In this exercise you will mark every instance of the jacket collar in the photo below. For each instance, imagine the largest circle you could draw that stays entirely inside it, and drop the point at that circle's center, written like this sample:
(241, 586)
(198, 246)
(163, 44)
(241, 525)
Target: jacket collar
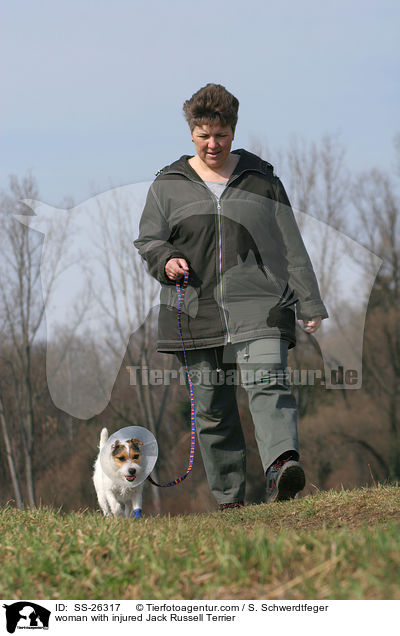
(247, 161)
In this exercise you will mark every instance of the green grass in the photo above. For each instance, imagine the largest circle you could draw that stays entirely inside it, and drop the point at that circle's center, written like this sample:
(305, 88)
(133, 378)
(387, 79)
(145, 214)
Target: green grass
(334, 545)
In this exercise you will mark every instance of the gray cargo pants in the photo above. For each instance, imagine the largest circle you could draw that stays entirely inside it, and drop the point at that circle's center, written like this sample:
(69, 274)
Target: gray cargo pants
(214, 374)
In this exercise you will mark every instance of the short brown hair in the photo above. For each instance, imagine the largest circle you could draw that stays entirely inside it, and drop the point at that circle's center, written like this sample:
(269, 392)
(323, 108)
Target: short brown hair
(211, 103)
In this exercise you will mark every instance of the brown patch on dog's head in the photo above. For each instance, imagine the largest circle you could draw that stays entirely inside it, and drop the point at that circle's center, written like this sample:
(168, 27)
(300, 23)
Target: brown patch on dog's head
(119, 452)
(134, 451)
(115, 446)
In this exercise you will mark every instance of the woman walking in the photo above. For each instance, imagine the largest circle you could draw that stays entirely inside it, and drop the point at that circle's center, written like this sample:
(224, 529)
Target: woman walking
(224, 217)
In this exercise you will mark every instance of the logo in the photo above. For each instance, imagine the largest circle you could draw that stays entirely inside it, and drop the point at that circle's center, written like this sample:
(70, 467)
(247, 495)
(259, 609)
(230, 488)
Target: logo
(105, 294)
(26, 615)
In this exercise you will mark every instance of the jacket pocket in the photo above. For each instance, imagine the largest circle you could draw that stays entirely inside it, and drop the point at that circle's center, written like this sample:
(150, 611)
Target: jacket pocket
(278, 283)
(167, 296)
(190, 303)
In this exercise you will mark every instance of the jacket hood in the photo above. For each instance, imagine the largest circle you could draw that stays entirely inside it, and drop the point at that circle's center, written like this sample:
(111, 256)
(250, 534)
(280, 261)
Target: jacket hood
(247, 161)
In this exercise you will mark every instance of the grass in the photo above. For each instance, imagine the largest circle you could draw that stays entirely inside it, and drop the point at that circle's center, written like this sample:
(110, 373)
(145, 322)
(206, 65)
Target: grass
(334, 545)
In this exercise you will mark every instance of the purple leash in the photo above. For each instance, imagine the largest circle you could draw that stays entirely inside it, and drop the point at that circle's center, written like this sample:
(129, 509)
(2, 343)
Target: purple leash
(180, 290)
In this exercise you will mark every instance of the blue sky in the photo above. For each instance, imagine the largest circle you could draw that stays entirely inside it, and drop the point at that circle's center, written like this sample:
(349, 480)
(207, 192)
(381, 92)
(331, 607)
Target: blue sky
(92, 91)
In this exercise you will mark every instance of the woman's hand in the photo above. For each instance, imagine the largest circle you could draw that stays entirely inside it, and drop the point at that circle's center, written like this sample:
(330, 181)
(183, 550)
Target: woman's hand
(175, 268)
(310, 326)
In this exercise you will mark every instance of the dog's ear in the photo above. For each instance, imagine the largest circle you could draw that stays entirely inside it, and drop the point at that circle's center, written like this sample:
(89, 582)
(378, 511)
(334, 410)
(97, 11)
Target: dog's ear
(136, 441)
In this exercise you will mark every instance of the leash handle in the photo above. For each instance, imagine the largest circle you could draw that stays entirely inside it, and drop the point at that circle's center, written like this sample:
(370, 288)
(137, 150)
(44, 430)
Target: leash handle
(180, 291)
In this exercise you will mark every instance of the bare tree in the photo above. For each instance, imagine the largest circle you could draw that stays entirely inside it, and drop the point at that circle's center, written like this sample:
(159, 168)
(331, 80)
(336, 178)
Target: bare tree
(22, 307)
(378, 209)
(318, 186)
(10, 455)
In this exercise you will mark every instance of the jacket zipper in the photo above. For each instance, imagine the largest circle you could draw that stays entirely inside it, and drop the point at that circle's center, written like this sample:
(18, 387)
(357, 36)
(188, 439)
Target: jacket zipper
(219, 216)
(218, 200)
(228, 335)
(218, 368)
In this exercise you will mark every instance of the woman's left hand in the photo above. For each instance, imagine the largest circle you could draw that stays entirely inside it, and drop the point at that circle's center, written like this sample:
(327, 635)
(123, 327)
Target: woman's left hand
(310, 326)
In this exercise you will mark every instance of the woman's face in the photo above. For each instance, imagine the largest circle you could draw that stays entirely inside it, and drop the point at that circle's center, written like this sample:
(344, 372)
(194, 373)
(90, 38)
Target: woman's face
(213, 143)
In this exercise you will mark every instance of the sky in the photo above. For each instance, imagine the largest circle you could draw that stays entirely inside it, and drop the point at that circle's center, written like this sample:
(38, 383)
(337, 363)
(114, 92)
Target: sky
(92, 92)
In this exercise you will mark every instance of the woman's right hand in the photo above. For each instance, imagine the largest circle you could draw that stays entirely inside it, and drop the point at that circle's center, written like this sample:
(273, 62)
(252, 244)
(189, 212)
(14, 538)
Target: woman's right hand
(175, 268)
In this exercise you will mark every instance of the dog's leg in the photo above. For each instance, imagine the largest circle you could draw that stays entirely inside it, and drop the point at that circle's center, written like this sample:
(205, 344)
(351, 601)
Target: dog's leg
(98, 481)
(136, 502)
(131, 512)
(104, 505)
(116, 508)
(128, 509)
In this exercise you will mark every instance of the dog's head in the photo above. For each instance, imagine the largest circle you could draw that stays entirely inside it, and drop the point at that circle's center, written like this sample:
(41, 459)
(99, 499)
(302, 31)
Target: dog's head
(126, 457)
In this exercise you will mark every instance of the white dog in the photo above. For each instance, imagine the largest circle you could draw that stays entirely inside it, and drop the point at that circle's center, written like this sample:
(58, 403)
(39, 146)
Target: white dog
(120, 496)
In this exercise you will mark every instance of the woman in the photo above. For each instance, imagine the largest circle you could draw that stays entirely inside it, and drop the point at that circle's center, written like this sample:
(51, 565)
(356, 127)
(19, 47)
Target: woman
(224, 217)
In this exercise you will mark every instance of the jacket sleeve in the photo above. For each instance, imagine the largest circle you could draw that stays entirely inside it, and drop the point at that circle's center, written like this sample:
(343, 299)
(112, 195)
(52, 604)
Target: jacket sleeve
(302, 279)
(152, 243)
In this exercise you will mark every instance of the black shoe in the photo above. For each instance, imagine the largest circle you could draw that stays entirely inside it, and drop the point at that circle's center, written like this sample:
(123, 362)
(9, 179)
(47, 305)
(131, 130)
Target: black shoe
(229, 506)
(285, 478)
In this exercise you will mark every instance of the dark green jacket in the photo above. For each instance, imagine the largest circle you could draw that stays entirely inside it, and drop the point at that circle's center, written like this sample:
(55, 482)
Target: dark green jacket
(249, 268)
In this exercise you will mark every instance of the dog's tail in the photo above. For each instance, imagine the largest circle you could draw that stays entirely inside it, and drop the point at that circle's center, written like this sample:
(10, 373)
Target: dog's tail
(103, 438)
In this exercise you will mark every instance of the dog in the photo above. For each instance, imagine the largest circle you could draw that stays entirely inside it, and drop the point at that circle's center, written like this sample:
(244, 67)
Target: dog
(120, 496)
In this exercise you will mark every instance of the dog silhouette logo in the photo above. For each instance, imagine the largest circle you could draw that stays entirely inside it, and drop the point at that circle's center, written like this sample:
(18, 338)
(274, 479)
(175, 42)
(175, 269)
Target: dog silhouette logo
(26, 615)
(105, 293)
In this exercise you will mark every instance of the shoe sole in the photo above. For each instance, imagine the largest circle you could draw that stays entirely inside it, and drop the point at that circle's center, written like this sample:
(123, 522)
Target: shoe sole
(291, 481)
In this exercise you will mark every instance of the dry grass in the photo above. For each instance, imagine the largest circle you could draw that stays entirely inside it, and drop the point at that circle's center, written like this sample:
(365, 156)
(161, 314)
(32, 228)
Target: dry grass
(334, 545)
